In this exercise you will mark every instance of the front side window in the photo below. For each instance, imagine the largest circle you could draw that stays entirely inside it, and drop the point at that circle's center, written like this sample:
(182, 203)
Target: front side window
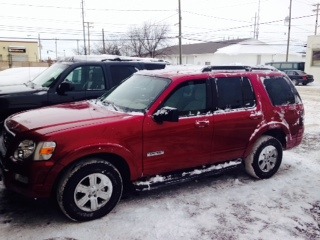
(281, 91)
(86, 78)
(233, 93)
(190, 98)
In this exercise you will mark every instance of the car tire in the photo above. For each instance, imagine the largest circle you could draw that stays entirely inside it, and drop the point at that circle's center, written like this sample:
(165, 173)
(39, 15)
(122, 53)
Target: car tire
(296, 82)
(265, 158)
(304, 84)
(89, 190)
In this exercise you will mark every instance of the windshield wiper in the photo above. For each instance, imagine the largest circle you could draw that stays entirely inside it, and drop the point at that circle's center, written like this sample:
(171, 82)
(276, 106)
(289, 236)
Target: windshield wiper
(110, 103)
(29, 84)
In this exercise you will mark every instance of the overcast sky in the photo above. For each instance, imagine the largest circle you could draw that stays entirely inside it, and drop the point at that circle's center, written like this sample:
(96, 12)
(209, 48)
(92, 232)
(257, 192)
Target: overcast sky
(202, 20)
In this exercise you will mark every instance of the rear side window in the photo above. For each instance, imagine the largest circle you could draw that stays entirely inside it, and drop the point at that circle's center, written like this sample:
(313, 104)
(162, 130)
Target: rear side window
(281, 91)
(153, 66)
(121, 72)
(233, 93)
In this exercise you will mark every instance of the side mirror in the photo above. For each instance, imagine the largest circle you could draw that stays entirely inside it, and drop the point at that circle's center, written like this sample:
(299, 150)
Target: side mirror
(64, 87)
(166, 114)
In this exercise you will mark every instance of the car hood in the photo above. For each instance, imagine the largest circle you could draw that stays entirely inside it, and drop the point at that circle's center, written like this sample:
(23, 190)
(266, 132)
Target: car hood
(63, 116)
(18, 89)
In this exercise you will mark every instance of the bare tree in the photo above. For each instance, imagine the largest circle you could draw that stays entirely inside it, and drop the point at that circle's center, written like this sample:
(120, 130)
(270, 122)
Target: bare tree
(112, 48)
(148, 39)
(79, 51)
(144, 41)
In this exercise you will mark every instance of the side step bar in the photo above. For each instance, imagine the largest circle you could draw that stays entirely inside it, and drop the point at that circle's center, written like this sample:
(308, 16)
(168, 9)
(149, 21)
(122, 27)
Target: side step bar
(167, 180)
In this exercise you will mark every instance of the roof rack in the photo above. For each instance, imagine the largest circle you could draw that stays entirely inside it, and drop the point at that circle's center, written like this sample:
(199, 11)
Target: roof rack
(227, 68)
(107, 57)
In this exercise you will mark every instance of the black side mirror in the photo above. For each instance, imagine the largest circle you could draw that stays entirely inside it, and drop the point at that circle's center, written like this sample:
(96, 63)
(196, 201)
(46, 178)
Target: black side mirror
(168, 114)
(64, 87)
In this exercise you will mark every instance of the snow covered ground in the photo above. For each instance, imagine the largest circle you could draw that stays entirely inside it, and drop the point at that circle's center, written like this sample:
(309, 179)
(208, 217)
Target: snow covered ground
(231, 206)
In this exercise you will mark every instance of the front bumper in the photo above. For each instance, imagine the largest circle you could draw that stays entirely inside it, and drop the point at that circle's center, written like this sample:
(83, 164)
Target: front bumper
(31, 179)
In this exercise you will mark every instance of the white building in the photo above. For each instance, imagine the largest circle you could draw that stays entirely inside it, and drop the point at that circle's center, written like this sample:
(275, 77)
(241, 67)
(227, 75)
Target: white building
(238, 51)
(312, 65)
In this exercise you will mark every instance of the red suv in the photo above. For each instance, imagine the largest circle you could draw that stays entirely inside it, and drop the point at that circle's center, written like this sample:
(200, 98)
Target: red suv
(156, 128)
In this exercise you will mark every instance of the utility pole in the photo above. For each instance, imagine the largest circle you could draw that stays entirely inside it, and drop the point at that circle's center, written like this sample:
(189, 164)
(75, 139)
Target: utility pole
(317, 14)
(88, 26)
(255, 25)
(39, 40)
(103, 43)
(180, 33)
(56, 43)
(84, 30)
(257, 22)
(289, 30)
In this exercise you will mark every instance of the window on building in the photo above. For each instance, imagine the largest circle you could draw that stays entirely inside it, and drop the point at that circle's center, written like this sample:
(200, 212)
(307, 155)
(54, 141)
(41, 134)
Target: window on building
(315, 58)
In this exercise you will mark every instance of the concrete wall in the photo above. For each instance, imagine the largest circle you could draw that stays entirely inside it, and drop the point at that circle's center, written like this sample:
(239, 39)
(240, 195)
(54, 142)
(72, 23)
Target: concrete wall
(312, 65)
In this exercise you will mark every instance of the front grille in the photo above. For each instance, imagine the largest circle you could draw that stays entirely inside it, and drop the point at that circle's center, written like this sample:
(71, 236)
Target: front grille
(7, 137)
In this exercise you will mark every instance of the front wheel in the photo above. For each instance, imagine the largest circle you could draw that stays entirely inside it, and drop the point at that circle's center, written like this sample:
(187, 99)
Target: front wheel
(265, 158)
(89, 190)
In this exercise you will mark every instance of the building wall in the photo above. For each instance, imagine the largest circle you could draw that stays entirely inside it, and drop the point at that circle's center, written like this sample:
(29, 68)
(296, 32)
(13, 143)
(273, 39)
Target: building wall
(224, 59)
(19, 51)
(312, 65)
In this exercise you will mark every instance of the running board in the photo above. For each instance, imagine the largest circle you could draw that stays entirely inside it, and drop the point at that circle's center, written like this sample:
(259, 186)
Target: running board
(166, 180)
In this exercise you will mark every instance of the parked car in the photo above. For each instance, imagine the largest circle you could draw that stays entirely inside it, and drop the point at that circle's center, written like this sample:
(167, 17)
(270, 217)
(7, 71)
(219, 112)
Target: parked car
(74, 79)
(298, 76)
(157, 128)
(19, 75)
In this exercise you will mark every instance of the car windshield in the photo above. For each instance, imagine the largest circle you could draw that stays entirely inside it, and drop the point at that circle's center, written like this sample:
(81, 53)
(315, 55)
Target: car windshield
(47, 77)
(136, 94)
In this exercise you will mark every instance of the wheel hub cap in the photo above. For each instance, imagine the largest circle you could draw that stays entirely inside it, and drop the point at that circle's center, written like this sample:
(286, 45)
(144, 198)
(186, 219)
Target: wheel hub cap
(268, 158)
(93, 192)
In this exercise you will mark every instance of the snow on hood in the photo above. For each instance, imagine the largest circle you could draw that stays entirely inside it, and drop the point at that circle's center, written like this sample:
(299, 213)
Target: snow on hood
(62, 116)
(13, 76)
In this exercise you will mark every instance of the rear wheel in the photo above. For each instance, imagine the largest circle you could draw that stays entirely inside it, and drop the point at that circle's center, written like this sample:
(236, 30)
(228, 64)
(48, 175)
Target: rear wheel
(89, 190)
(265, 158)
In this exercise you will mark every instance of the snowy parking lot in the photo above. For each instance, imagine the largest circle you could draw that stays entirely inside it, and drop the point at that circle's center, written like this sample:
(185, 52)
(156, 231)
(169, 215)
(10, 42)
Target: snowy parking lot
(231, 206)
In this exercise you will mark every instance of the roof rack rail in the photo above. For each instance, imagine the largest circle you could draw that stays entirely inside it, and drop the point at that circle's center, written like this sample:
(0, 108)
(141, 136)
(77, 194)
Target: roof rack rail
(107, 57)
(227, 68)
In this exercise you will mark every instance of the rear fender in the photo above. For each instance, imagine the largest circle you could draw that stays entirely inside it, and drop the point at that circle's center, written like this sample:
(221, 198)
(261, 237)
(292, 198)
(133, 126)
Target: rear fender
(275, 129)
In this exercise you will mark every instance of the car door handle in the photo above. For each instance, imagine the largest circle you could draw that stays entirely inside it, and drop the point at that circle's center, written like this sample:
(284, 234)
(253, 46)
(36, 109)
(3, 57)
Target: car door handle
(202, 124)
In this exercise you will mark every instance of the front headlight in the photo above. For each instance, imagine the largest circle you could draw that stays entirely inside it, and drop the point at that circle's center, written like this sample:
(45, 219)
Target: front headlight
(25, 149)
(44, 151)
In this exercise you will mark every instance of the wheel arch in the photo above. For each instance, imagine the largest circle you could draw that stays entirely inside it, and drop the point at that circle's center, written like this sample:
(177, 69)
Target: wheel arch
(278, 133)
(117, 161)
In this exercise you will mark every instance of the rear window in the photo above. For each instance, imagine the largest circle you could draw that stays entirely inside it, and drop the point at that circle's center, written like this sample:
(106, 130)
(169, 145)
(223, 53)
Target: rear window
(281, 91)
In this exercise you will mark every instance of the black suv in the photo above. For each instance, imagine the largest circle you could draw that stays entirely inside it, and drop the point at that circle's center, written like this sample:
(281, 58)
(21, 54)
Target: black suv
(73, 79)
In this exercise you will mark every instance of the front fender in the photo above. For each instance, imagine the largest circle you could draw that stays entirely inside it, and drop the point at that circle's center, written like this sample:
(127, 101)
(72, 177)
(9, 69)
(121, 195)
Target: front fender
(104, 148)
(62, 162)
